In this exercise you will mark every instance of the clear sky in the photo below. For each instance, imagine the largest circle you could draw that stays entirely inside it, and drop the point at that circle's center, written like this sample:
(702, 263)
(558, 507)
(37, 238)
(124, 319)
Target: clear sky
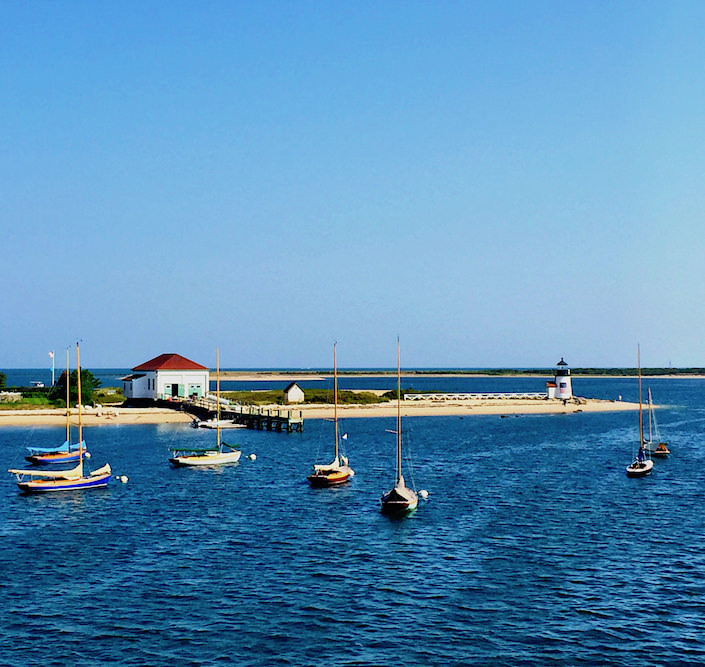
(498, 183)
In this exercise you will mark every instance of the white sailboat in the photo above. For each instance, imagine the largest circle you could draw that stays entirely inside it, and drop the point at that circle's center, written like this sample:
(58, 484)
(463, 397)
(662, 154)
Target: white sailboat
(208, 456)
(400, 499)
(642, 465)
(42, 480)
(337, 472)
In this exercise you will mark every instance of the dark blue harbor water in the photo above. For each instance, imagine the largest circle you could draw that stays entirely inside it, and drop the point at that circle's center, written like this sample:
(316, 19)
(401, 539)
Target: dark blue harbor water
(533, 548)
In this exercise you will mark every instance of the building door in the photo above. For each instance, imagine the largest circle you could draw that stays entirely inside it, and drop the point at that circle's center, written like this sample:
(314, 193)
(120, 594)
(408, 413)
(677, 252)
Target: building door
(174, 389)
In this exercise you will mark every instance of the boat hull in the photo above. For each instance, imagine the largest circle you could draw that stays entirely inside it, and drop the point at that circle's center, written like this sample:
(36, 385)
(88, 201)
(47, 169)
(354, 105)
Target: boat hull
(398, 506)
(322, 480)
(51, 485)
(640, 469)
(207, 459)
(224, 424)
(395, 503)
(58, 457)
(661, 450)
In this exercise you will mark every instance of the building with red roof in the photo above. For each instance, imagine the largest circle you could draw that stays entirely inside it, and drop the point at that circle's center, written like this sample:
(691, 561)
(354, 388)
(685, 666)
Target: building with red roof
(167, 376)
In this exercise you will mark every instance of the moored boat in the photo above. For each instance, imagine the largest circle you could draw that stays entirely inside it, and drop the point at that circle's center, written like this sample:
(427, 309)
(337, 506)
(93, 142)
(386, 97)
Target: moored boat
(219, 423)
(338, 472)
(207, 456)
(43, 480)
(65, 453)
(400, 499)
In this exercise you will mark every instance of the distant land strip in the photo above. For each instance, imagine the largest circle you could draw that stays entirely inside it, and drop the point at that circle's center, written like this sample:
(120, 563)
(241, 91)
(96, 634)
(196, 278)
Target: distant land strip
(318, 374)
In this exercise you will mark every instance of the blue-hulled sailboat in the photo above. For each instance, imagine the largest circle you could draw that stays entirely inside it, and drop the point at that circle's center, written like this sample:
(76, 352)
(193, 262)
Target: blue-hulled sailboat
(43, 480)
(65, 453)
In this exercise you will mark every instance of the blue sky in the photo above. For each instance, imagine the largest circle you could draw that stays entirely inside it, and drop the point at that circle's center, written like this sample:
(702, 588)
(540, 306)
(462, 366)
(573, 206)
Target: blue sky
(500, 184)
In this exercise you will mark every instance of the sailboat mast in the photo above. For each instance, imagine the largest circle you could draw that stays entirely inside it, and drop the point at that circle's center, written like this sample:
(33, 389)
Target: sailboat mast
(80, 426)
(651, 437)
(68, 427)
(398, 411)
(335, 398)
(641, 418)
(217, 394)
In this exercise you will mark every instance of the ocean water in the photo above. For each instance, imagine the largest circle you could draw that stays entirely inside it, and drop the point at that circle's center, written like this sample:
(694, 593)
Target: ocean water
(533, 547)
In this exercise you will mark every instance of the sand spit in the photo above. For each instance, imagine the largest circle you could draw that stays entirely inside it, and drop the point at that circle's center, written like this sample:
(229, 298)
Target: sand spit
(462, 408)
(120, 415)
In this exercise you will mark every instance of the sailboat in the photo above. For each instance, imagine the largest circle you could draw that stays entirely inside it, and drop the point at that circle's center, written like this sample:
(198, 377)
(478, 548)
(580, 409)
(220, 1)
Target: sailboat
(65, 453)
(399, 499)
(208, 456)
(656, 447)
(337, 472)
(45, 480)
(642, 465)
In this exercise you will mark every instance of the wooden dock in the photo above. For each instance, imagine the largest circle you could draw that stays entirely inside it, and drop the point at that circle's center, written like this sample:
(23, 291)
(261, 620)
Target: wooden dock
(251, 416)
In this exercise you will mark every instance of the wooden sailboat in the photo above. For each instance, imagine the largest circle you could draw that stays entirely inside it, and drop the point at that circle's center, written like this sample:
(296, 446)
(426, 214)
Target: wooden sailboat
(45, 480)
(208, 456)
(642, 465)
(655, 445)
(65, 453)
(399, 499)
(337, 472)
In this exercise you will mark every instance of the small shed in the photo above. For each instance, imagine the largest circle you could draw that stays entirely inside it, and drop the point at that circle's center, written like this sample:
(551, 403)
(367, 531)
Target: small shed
(294, 394)
(550, 389)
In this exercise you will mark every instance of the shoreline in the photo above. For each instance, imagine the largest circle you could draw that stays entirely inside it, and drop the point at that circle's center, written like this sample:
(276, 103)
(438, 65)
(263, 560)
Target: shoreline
(499, 407)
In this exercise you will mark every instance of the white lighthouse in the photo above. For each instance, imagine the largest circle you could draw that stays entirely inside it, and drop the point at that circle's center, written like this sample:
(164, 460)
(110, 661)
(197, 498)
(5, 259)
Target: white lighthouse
(564, 387)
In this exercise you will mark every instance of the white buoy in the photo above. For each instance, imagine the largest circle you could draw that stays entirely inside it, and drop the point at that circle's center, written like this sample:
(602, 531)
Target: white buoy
(87, 455)
(252, 457)
(123, 478)
(423, 493)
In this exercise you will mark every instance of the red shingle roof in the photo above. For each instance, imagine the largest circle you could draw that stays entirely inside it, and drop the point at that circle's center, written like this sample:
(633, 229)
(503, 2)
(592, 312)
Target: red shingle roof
(170, 362)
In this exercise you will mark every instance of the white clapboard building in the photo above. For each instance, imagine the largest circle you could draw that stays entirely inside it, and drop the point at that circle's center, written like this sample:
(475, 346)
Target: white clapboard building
(294, 394)
(166, 376)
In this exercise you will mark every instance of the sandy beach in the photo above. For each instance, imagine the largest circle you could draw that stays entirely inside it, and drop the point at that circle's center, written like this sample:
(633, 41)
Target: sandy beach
(120, 415)
(462, 408)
